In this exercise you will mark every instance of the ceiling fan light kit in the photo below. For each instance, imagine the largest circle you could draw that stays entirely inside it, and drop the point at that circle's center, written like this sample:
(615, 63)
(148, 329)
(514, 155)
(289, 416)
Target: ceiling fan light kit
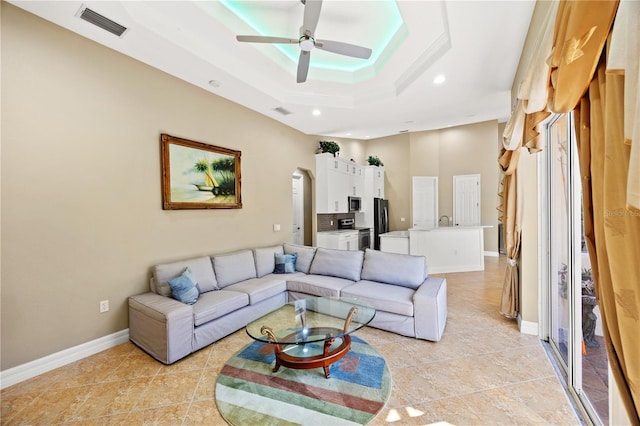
(307, 40)
(306, 43)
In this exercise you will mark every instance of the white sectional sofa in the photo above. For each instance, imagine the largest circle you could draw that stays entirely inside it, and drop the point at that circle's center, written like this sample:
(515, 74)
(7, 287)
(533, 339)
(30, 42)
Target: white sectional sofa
(236, 288)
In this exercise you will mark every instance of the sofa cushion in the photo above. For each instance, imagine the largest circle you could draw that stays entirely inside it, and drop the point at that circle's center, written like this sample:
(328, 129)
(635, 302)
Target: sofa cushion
(184, 289)
(337, 263)
(285, 263)
(305, 256)
(232, 268)
(201, 271)
(317, 285)
(215, 304)
(264, 258)
(260, 289)
(383, 297)
(391, 268)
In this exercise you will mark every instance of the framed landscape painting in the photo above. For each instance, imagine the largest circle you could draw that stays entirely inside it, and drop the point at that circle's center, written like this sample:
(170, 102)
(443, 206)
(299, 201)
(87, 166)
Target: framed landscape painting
(197, 175)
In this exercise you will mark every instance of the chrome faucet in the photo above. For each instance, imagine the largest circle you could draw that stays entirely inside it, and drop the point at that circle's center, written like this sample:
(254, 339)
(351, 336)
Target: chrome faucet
(446, 217)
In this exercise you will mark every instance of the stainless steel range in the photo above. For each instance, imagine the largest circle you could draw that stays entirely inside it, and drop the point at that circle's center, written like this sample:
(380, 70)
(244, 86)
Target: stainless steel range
(364, 239)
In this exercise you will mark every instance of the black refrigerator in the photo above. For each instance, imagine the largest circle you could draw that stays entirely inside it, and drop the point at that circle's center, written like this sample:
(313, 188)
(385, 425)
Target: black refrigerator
(380, 220)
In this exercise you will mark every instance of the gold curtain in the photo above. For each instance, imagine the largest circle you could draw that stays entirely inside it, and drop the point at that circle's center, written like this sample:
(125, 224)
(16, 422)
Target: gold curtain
(523, 132)
(511, 215)
(612, 232)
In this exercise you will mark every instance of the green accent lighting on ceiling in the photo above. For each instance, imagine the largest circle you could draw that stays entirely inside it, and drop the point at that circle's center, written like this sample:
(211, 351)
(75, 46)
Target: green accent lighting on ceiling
(389, 15)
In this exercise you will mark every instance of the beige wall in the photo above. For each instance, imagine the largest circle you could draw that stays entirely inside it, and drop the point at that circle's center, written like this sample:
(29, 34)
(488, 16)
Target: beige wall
(82, 216)
(425, 154)
(529, 305)
(444, 153)
(471, 149)
(394, 153)
(350, 149)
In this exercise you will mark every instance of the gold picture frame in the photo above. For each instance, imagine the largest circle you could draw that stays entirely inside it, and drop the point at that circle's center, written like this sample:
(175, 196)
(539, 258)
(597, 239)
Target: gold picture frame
(197, 175)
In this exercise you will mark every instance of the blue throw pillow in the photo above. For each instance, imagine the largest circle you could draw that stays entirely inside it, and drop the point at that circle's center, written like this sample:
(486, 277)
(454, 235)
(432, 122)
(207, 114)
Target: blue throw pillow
(184, 289)
(285, 263)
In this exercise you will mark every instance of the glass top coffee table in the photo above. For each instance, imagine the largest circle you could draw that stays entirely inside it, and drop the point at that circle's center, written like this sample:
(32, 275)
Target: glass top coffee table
(312, 333)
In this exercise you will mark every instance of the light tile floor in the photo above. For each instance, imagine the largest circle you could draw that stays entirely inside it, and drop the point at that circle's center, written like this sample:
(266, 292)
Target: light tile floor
(483, 371)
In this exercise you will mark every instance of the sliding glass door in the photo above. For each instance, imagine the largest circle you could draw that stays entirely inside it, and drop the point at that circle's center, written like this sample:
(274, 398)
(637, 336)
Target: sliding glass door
(575, 326)
(559, 243)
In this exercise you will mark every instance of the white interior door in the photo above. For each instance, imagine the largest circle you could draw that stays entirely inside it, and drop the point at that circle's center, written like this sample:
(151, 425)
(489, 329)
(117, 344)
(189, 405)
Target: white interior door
(298, 209)
(466, 200)
(425, 202)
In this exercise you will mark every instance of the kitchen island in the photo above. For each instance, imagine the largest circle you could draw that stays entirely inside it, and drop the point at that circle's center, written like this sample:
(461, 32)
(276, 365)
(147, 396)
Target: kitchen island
(395, 242)
(450, 248)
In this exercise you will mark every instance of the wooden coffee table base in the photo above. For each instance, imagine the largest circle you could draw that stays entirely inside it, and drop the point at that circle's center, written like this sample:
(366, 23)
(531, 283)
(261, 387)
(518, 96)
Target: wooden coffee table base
(328, 356)
(325, 360)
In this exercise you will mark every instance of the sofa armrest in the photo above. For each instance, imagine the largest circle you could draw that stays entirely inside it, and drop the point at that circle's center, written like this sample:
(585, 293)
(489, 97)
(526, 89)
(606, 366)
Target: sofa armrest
(430, 309)
(161, 326)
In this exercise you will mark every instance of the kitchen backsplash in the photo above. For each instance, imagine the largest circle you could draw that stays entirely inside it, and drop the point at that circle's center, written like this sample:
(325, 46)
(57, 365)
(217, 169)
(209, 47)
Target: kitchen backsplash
(324, 220)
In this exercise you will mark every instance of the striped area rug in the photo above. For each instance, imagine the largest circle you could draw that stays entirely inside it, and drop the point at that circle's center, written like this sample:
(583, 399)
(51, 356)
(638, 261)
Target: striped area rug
(248, 393)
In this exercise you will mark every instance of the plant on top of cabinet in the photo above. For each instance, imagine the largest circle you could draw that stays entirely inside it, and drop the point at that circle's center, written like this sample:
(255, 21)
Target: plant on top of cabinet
(374, 161)
(329, 146)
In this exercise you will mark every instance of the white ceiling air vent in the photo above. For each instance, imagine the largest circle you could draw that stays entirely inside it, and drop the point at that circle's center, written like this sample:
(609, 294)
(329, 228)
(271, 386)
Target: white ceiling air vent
(282, 111)
(101, 21)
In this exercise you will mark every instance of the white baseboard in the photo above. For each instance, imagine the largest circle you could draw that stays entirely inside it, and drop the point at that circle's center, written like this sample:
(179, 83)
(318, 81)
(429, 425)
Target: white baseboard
(491, 254)
(50, 362)
(527, 327)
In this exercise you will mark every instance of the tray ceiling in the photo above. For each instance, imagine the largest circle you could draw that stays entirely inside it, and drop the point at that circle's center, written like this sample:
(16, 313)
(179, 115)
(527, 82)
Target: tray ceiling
(475, 45)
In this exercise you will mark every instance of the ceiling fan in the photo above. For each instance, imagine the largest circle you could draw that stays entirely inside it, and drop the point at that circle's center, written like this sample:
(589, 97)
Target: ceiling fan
(307, 41)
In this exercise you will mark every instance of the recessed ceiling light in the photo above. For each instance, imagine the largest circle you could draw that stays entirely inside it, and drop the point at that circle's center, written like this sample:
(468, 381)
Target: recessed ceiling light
(214, 83)
(439, 79)
(348, 134)
(316, 112)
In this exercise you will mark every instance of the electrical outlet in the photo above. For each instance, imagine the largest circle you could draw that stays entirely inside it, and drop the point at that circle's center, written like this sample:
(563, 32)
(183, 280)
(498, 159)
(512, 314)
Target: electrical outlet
(331, 223)
(104, 306)
(276, 227)
(402, 219)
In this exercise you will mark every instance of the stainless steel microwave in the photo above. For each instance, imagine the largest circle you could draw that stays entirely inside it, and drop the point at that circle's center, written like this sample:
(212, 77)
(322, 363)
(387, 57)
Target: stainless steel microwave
(354, 204)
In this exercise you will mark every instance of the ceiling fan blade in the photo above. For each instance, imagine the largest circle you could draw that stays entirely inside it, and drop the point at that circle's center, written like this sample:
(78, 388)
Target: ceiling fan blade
(344, 48)
(265, 39)
(311, 16)
(303, 65)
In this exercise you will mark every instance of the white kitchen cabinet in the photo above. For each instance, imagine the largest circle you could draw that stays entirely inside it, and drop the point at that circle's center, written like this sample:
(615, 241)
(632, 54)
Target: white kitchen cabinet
(378, 182)
(425, 202)
(340, 240)
(373, 182)
(373, 188)
(356, 181)
(336, 181)
(350, 242)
